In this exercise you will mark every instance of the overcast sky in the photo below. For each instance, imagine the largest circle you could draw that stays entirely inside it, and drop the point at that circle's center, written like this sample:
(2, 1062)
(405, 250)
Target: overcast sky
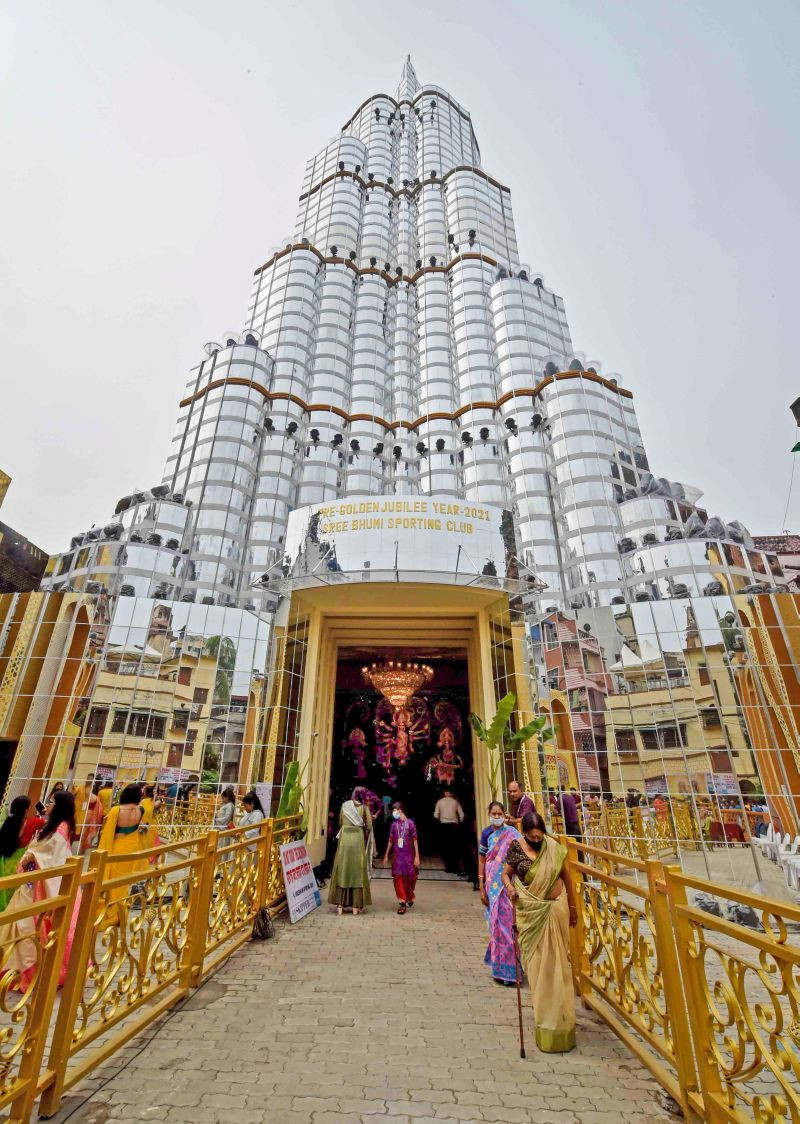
(151, 154)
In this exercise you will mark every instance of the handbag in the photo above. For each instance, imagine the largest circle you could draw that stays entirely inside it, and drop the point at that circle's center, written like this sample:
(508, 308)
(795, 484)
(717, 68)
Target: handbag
(263, 927)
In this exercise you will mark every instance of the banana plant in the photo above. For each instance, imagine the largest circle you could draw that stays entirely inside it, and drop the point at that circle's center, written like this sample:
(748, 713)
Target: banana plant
(499, 736)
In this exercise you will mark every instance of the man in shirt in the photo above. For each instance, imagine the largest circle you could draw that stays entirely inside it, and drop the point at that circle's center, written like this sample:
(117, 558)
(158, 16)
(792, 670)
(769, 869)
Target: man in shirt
(519, 804)
(569, 812)
(449, 815)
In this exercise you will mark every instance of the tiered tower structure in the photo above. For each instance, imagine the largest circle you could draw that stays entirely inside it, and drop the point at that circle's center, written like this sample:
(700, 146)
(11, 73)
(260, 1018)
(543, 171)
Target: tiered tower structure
(397, 345)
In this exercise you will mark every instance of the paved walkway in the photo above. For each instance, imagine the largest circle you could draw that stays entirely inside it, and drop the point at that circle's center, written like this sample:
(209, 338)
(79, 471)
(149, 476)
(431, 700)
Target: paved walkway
(353, 1018)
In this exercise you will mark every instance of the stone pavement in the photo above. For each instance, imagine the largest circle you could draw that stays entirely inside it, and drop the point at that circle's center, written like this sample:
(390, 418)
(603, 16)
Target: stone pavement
(348, 1018)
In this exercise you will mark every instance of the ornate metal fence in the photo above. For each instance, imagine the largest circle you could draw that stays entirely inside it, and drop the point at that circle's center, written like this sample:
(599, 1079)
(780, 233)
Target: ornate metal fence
(149, 927)
(710, 1006)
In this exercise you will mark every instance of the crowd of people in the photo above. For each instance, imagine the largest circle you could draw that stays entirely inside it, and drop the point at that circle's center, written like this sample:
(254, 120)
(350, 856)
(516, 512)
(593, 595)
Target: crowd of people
(523, 881)
(45, 836)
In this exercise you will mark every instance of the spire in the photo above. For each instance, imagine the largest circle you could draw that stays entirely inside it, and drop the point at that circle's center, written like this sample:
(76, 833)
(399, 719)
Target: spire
(409, 83)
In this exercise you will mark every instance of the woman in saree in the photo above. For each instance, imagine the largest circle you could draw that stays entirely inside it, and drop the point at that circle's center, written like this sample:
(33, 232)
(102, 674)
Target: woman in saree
(538, 884)
(124, 834)
(50, 849)
(349, 887)
(12, 847)
(92, 820)
(492, 849)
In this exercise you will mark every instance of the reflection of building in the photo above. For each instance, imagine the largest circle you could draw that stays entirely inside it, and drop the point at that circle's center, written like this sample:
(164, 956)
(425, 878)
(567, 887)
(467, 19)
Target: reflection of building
(578, 683)
(46, 668)
(674, 723)
(767, 675)
(786, 549)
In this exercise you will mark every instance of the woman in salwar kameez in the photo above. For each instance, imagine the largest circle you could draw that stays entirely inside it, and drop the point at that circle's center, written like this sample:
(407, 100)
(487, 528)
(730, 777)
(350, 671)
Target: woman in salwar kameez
(349, 886)
(492, 849)
(545, 907)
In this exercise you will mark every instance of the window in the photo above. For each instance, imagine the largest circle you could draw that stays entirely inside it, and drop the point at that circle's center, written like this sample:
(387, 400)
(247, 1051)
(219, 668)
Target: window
(705, 676)
(664, 737)
(139, 724)
(550, 635)
(175, 756)
(180, 718)
(199, 699)
(96, 722)
(185, 676)
(626, 741)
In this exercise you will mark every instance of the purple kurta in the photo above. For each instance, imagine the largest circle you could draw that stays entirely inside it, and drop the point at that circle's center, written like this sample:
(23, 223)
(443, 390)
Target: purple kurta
(402, 857)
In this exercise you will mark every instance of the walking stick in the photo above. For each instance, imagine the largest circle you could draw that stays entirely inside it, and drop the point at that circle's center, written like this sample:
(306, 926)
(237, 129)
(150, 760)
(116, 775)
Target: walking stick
(518, 973)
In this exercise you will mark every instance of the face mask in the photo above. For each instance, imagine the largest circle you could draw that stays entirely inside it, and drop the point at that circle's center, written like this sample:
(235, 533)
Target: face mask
(496, 821)
(396, 815)
(534, 844)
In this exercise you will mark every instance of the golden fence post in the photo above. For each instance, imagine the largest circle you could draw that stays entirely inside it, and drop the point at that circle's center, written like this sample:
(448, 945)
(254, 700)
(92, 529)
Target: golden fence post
(199, 909)
(21, 1108)
(675, 1002)
(60, 1048)
(696, 1001)
(265, 859)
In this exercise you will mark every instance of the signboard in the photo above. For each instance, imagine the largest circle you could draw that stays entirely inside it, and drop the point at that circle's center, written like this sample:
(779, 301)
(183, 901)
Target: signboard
(302, 892)
(174, 776)
(374, 534)
(264, 793)
(722, 784)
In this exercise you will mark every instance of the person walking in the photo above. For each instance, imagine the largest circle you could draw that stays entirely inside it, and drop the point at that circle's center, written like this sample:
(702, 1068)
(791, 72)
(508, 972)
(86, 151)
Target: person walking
(492, 850)
(349, 885)
(123, 833)
(12, 847)
(449, 815)
(404, 847)
(537, 882)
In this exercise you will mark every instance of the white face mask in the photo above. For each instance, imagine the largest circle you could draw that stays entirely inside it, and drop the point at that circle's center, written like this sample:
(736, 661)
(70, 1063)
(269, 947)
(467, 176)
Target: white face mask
(396, 815)
(497, 821)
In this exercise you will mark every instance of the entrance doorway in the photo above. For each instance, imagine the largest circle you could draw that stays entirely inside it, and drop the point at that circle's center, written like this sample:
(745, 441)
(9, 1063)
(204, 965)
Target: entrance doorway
(364, 751)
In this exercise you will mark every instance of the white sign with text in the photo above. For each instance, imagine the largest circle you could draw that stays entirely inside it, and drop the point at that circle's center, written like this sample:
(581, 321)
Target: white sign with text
(302, 892)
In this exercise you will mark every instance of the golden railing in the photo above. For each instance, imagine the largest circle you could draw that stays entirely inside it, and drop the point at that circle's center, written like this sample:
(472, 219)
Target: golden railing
(25, 1016)
(149, 927)
(709, 1006)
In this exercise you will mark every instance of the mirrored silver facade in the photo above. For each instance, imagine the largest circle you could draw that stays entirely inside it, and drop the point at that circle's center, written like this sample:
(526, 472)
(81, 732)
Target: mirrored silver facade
(396, 345)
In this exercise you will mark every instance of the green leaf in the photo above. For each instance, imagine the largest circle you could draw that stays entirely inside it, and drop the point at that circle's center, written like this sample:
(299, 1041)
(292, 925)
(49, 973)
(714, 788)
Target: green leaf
(505, 708)
(478, 727)
(527, 732)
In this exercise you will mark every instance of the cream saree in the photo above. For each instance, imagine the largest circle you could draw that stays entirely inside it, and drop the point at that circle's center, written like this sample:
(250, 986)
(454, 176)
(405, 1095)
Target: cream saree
(543, 927)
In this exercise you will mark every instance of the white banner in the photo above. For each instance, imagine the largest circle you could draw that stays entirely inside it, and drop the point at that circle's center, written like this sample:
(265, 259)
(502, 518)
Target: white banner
(302, 892)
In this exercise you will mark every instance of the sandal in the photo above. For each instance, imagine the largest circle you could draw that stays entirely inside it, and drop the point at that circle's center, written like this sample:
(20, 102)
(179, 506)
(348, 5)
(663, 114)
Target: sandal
(402, 907)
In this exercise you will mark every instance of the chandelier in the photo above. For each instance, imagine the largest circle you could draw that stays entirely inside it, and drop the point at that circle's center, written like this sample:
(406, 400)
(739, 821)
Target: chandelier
(397, 680)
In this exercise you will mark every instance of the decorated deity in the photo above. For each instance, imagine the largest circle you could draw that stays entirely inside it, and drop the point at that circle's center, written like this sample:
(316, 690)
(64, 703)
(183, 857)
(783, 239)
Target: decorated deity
(356, 742)
(399, 732)
(447, 763)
